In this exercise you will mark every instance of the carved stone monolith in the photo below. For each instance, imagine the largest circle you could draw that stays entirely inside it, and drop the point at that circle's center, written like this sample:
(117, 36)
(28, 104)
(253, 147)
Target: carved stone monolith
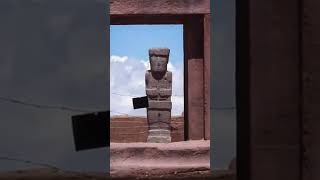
(159, 90)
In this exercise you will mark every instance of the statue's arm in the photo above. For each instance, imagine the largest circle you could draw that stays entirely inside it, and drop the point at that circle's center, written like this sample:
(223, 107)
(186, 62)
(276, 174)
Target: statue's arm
(167, 92)
(152, 92)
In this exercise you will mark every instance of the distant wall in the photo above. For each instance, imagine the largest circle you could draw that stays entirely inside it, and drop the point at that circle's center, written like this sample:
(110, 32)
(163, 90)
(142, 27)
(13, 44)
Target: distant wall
(135, 129)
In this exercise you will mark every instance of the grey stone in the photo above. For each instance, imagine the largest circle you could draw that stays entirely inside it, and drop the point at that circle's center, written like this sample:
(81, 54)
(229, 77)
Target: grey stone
(159, 136)
(159, 90)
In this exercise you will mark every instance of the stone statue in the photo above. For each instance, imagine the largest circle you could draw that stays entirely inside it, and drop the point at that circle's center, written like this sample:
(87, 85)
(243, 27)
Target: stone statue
(159, 90)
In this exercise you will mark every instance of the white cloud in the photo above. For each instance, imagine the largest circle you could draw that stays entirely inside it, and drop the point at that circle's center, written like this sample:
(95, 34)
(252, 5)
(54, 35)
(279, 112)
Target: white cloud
(119, 59)
(127, 78)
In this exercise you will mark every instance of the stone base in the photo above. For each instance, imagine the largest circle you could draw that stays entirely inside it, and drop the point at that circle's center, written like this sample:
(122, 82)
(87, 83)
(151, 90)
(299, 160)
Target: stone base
(157, 160)
(159, 136)
(159, 139)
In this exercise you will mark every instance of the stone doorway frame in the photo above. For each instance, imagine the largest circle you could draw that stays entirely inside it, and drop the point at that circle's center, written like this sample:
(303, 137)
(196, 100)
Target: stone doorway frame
(195, 16)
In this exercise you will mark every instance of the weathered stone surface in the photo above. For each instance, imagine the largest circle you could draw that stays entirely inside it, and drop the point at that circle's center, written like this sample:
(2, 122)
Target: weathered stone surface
(141, 7)
(156, 159)
(274, 90)
(159, 89)
(128, 129)
(159, 136)
(160, 105)
(194, 80)
(121, 174)
(310, 76)
(159, 52)
(159, 119)
(207, 76)
(196, 27)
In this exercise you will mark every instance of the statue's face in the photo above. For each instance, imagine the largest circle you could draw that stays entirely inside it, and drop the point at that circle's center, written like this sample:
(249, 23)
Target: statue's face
(158, 63)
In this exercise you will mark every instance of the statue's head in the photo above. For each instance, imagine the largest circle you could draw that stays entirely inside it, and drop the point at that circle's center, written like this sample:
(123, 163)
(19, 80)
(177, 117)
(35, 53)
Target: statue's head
(159, 58)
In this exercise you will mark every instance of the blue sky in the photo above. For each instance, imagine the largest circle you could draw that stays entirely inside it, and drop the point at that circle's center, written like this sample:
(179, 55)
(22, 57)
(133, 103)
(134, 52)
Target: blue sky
(129, 61)
(135, 40)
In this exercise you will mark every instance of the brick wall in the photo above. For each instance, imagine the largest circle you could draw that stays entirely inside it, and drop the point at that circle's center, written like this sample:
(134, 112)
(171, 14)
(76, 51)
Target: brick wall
(135, 129)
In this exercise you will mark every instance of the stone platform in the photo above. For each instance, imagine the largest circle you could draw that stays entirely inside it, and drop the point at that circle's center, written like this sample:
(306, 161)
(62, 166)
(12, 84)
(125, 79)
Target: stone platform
(51, 174)
(159, 159)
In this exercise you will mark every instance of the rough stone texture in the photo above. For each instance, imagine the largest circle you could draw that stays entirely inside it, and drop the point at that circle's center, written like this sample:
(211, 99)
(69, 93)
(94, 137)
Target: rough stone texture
(274, 90)
(153, 158)
(159, 136)
(160, 104)
(196, 99)
(285, 83)
(159, 52)
(159, 90)
(124, 7)
(207, 76)
(193, 15)
(49, 174)
(126, 129)
(194, 84)
(311, 89)
(150, 19)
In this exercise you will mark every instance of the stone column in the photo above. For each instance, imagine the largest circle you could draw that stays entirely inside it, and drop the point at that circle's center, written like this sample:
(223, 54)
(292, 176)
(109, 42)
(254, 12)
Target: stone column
(274, 90)
(159, 90)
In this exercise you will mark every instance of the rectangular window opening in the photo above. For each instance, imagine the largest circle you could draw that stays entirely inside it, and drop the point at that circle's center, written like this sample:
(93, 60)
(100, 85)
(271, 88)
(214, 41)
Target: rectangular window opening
(129, 62)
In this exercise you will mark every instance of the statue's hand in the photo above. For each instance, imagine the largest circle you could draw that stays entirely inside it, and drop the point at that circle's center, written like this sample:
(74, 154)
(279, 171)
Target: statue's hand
(152, 92)
(165, 92)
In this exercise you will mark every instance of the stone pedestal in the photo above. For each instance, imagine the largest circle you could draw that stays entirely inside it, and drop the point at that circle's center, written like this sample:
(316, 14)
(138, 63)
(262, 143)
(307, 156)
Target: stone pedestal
(159, 159)
(159, 136)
